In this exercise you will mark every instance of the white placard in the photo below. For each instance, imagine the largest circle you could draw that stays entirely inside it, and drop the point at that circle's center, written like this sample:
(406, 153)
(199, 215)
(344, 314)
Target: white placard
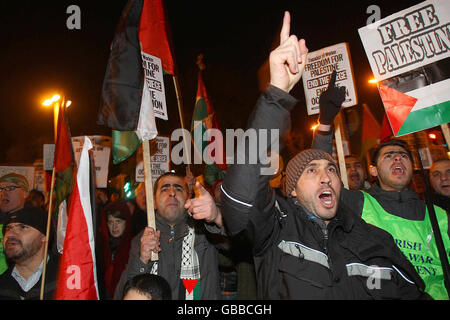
(408, 39)
(153, 72)
(316, 75)
(49, 154)
(27, 172)
(160, 160)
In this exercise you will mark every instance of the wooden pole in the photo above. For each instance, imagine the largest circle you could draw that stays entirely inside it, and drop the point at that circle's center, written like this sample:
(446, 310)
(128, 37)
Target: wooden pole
(446, 133)
(340, 150)
(49, 216)
(180, 112)
(47, 234)
(149, 191)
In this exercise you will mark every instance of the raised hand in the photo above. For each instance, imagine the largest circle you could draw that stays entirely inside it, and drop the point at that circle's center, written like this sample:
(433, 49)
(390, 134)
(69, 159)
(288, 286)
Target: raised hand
(330, 101)
(203, 206)
(287, 61)
(149, 243)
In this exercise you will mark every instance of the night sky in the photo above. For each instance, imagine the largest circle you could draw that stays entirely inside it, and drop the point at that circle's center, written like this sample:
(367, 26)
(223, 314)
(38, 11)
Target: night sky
(40, 55)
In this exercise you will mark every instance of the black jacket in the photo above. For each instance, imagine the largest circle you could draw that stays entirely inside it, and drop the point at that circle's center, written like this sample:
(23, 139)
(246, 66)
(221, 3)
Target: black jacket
(10, 289)
(293, 258)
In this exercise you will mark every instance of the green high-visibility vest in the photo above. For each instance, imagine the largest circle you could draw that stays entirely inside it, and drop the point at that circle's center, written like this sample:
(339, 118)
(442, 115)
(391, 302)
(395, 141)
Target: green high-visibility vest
(3, 264)
(415, 239)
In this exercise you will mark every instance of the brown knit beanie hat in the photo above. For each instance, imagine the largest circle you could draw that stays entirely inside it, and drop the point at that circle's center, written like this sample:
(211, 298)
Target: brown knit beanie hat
(297, 164)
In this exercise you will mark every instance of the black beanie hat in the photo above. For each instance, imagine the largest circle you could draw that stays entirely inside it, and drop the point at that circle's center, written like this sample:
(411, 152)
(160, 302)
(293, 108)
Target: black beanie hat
(30, 216)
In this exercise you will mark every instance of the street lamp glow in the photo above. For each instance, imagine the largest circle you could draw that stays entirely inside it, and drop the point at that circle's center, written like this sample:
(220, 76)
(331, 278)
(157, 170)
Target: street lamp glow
(373, 81)
(68, 103)
(49, 102)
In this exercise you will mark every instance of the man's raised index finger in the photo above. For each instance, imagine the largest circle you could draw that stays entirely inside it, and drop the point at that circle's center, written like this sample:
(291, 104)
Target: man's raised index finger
(286, 28)
(332, 82)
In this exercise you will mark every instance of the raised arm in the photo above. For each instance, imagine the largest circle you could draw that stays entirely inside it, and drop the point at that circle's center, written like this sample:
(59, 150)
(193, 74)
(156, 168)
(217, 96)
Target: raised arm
(330, 102)
(246, 196)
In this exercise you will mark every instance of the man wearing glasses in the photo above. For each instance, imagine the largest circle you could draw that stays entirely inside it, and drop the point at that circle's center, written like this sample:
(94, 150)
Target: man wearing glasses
(14, 190)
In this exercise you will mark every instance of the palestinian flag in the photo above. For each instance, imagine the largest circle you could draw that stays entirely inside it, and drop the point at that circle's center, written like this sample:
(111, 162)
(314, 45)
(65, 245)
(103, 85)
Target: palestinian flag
(210, 147)
(370, 135)
(77, 274)
(63, 161)
(415, 102)
(126, 103)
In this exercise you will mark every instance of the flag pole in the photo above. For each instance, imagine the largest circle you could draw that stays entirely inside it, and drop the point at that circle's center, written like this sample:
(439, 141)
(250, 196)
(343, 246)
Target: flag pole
(149, 191)
(340, 150)
(180, 112)
(446, 133)
(49, 215)
(47, 234)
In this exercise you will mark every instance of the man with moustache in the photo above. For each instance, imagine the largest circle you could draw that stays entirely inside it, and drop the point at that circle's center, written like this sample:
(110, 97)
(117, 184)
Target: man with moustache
(356, 175)
(180, 239)
(390, 204)
(440, 182)
(309, 245)
(14, 190)
(24, 243)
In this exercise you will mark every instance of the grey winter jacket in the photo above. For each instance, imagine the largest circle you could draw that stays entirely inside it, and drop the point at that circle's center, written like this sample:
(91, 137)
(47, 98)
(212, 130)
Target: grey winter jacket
(169, 262)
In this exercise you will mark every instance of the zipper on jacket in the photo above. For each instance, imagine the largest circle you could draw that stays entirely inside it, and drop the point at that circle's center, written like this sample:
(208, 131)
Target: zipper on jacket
(171, 235)
(333, 276)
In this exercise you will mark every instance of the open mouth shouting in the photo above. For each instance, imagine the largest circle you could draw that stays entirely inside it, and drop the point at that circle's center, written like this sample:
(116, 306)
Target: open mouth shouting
(355, 176)
(327, 198)
(398, 170)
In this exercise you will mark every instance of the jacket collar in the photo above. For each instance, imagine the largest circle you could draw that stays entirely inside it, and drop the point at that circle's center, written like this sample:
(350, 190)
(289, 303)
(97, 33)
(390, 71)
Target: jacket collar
(343, 217)
(181, 228)
(404, 195)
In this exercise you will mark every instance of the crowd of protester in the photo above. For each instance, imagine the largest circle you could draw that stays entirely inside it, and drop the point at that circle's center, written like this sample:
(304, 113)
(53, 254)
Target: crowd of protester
(299, 234)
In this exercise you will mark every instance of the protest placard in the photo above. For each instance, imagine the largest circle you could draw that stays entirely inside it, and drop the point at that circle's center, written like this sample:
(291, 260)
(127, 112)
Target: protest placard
(409, 54)
(316, 75)
(26, 171)
(153, 73)
(160, 159)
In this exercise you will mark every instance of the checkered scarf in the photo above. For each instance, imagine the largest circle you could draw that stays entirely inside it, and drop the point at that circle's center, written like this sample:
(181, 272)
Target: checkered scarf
(190, 267)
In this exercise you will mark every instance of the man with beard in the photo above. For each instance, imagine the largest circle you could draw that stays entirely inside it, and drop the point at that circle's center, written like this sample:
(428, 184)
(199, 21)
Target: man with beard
(14, 190)
(24, 243)
(356, 175)
(186, 257)
(309, 245)
(390, 204)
